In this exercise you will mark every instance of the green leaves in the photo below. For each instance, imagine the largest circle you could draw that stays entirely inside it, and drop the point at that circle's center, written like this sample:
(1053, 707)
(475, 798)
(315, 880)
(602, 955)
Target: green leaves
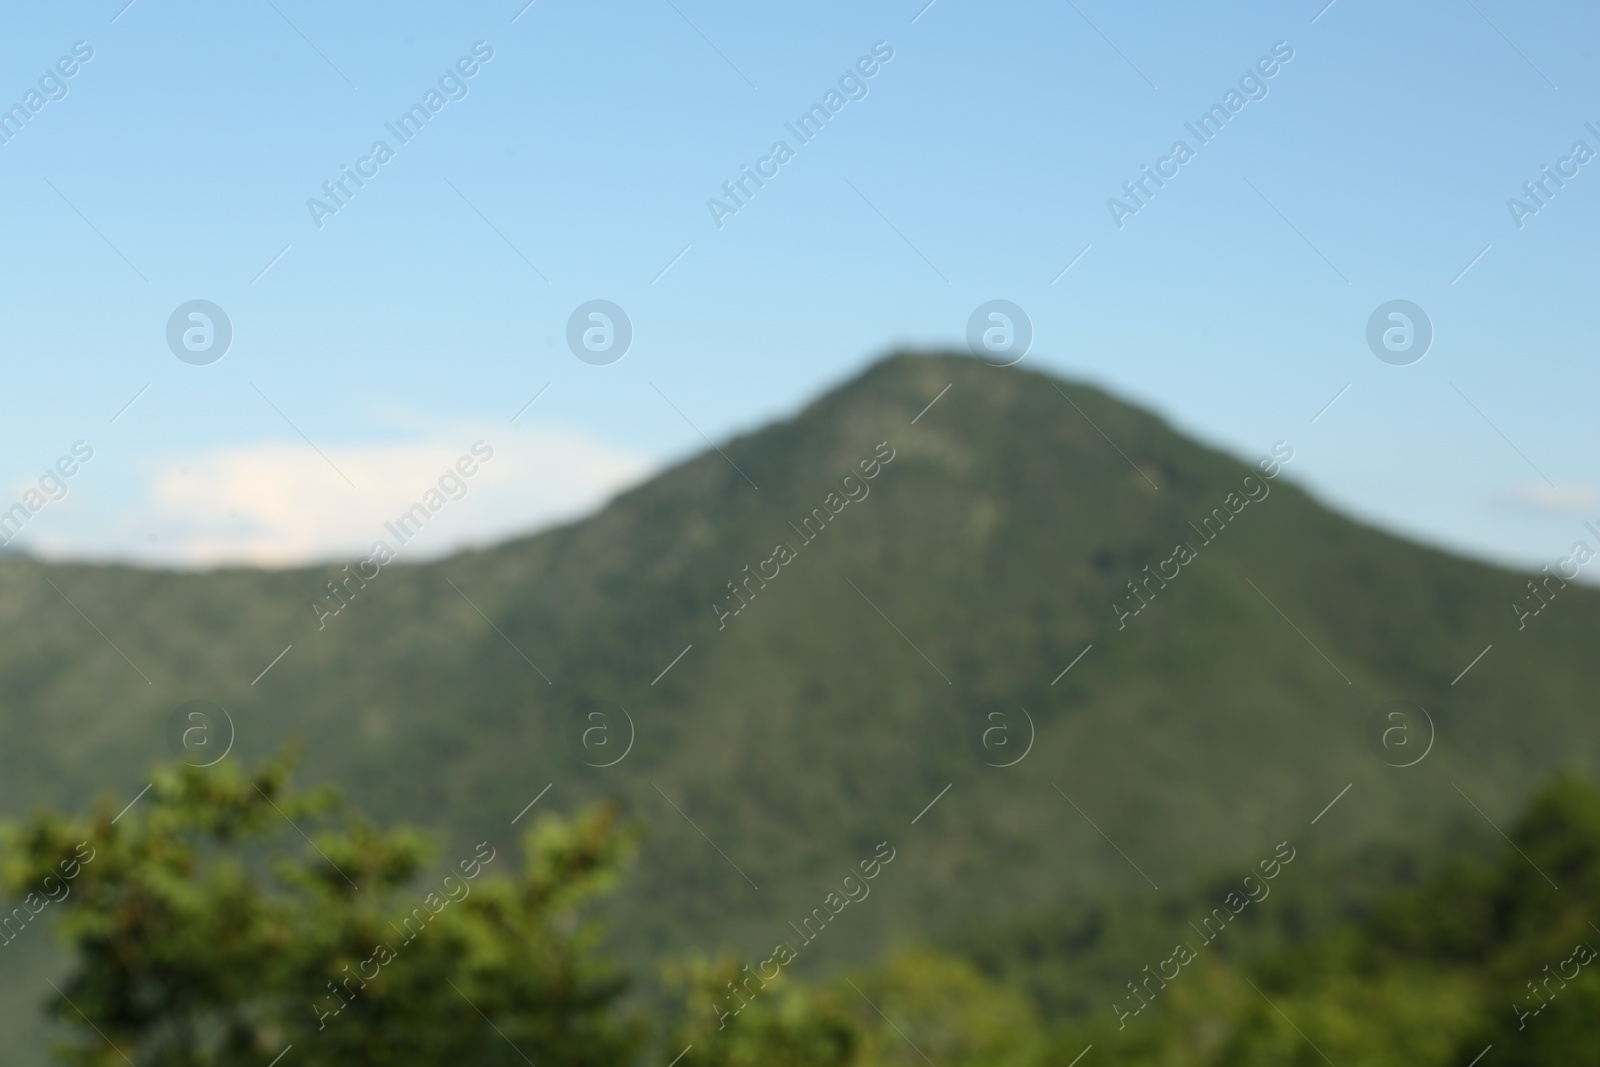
(226, 916)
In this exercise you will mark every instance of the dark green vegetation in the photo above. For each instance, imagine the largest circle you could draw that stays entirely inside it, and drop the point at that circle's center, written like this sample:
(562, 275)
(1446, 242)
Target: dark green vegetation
(1498, 954)
(809, 730)
(205, 934)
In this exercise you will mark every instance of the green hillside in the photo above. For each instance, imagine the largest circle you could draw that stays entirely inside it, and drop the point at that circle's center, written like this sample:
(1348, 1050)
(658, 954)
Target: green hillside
(999, 530)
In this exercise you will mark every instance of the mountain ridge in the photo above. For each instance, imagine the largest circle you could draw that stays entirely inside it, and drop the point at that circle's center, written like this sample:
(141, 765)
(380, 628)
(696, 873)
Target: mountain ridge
(856, 691)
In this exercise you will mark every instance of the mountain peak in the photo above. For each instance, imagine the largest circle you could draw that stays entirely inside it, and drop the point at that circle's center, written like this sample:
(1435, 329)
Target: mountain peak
(938, 549)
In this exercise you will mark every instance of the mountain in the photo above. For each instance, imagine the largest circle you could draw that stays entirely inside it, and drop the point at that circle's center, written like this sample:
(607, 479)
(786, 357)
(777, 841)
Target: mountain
(930, 548)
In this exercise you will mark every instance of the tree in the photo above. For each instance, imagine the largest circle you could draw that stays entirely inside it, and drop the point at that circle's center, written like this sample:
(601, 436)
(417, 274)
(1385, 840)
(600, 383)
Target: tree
(206, 932)
(921, 1006)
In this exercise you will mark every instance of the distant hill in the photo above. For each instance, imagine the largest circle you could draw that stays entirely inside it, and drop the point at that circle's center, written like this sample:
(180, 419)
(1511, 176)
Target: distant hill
(993, 544)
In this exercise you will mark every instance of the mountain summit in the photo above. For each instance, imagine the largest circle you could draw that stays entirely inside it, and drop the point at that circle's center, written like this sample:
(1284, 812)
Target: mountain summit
(1022, 633)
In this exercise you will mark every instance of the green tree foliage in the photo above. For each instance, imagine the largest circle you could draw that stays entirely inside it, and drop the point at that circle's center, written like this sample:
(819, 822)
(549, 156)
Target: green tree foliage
(1480, 956)
(785, 1023)
(208, 932)
(921, 1006)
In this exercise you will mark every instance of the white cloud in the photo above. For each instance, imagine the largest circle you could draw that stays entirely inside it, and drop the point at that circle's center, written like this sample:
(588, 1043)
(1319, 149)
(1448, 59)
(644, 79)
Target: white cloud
(280, 503)
(1556, 500)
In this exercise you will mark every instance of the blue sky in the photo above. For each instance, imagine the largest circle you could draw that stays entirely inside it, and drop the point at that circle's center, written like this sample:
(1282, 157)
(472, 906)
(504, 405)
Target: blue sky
(433, 305)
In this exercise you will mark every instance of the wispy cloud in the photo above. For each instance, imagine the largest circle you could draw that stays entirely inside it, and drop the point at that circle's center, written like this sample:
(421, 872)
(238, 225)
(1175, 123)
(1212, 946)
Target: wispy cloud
(1583, 500)
(276, 503)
